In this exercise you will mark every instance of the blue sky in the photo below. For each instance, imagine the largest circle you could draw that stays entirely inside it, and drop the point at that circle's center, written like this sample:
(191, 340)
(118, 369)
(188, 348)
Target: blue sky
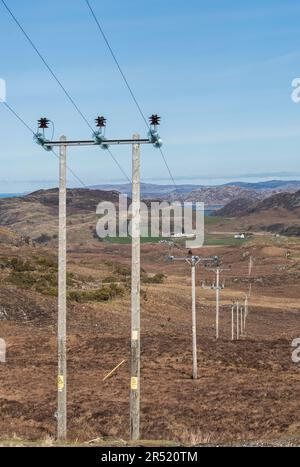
(218, 72)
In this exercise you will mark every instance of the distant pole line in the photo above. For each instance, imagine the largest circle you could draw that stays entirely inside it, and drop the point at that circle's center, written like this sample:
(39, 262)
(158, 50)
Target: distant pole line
(242, 321)
(237, 321)
(217, 287)
(232, 322)
(193, 261)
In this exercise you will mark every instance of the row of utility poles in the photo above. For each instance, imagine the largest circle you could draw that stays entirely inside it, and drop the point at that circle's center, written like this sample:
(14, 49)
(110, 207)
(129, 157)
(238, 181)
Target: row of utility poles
(238, 311)
(217, 287)
(193, 261)
(136, 142)
(98, 139)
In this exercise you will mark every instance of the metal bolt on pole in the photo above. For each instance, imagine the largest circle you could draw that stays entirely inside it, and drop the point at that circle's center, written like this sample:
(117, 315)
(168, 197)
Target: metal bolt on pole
(62, 308)
(135, 296)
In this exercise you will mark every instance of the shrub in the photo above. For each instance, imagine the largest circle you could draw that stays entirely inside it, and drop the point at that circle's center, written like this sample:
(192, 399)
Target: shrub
(75, 295)
(104, 294)
(16, 264)
(44, 238)
(144, 295)
(156, 279)
(47, 262)
(122, 270)
(24, 280)
(118, 268)
(110, 279)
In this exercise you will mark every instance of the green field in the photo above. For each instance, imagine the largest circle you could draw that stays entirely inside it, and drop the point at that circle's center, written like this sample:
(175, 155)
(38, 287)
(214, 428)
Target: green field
(213, 220)
(127, 240)
(211, 240)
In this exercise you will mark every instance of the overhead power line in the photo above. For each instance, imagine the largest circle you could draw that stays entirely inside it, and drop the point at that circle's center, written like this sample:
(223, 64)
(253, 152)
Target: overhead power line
(18, 117)
(116, 62)
(119, 165)
(32, 132)
(128, 87)
(46, 63)
(67, 94)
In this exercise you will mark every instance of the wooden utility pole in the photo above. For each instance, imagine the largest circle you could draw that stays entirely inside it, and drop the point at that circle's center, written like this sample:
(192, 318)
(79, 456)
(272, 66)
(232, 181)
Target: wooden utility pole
(62, 305)
(237, 321)
(217, 288)
(232, 322)
(194, 324)
(245, 313)
(242, 320)
(193, 262)
(217, 301)
(135, 296)
(99, 140)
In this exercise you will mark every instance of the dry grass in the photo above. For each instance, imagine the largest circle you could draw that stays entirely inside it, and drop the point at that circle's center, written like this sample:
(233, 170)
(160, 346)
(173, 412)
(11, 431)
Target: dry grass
(192, 437)
(256, 373)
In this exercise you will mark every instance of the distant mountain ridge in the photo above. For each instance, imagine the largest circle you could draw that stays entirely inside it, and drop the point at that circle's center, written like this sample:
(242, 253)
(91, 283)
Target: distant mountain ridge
(278, 213)
(151, 190)
(35, 215)
(245, 206)
(268, 185)
(222, 195)
(148, 190)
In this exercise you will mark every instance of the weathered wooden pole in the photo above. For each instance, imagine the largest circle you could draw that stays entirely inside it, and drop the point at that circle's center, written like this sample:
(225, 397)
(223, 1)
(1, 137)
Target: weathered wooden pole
(135, 296)
(62, 298)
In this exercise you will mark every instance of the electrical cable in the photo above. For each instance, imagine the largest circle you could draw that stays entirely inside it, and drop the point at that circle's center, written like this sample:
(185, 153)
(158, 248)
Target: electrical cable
(67, 94)
(129, 87)
(33, 133)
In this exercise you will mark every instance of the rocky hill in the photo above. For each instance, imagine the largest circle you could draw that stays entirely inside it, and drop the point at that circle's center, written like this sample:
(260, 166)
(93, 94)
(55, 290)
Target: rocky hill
(209, 194)
(78, 199)
(149, 190)
(35, 216)
(9, 237)
(236, 207)
(277, 185)
(222, 195)
(278, 213)
(288, 201)
(245, 205)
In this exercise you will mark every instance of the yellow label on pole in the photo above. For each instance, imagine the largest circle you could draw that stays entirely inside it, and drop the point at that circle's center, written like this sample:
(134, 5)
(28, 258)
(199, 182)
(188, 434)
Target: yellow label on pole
(134, 335)
(134, 383)
(60, 382)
